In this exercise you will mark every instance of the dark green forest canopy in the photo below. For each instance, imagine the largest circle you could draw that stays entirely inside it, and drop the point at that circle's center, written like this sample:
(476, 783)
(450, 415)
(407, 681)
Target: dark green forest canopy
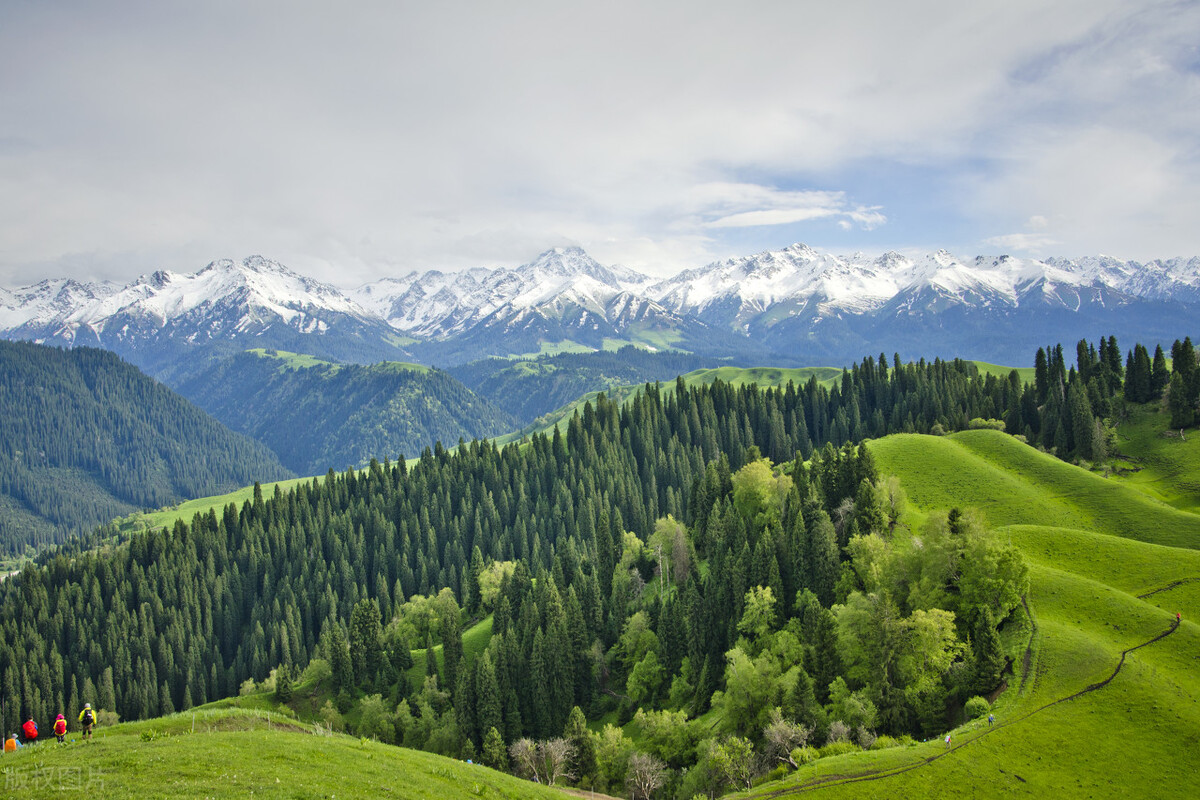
(86, 437)
(182, 616)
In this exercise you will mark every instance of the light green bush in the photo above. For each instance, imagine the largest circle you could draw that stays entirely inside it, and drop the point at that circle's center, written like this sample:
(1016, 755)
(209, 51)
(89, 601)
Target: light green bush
(977, 707)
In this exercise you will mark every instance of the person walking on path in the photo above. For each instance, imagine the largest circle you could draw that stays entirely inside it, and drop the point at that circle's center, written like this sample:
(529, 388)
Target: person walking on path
(60, 729)
(87, 718)
(991, 720)
(31, 731)
(947, 741)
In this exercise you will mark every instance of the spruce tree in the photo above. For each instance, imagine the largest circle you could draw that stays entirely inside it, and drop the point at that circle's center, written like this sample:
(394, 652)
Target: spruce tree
(495, 754)
(339, 660)
(989, 655)
(488, 708)
(366, 648)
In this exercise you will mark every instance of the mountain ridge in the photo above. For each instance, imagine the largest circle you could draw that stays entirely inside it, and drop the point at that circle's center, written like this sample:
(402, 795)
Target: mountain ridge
(797, 303)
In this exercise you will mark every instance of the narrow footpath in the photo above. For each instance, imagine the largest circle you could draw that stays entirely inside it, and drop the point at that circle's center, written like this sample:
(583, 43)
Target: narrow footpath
(875, 775)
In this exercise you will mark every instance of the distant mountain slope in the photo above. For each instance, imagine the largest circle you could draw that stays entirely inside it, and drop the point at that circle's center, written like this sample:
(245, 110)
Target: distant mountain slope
(528, 389)
(86, 437)
(316, 415)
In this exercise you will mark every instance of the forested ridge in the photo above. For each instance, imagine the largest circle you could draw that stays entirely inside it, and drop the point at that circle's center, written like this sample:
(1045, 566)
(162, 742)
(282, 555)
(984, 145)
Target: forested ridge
(706, 548)
(86, 437)
(530, 388)
(320, 415)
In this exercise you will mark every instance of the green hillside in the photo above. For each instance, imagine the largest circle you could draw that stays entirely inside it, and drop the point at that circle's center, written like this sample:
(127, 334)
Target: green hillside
(245, 753)
(530, 388)
(316, 415)
(1109, 569)
(86, 437)
(1157, 461)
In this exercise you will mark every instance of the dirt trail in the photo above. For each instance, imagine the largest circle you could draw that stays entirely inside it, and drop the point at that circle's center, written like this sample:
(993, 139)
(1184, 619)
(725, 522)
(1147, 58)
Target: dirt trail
(1168, 587)
(874, 775)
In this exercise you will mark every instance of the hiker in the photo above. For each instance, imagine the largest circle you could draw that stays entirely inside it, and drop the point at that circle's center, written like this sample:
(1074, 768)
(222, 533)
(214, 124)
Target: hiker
(1178, 619)
(31, 731)
(60, 729)
(10, 745)
(991, 720)
(87, 718)
(947, 741)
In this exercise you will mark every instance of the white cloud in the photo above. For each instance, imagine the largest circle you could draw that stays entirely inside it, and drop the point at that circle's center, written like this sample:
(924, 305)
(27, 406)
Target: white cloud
(1021, 242)
(766, 206)
(387, 137)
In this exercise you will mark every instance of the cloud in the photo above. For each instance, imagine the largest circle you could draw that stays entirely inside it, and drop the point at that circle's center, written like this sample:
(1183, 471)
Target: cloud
(769, 206)
(395, 136)
(1022, 242)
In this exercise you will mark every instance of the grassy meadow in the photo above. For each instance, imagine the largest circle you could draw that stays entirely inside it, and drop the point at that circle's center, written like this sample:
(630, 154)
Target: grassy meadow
(240, 752)
(1109, 567)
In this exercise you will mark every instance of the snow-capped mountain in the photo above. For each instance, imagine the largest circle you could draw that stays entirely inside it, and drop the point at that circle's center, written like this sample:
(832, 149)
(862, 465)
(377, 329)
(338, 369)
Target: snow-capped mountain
(165, 317)
(796, 305)
(48, 300)
(438, 304)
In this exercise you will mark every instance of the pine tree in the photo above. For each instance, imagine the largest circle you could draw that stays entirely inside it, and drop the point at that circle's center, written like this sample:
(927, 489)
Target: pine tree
(495, 754)
(488, 710)
(366, 649)
(339, 660)
(989, 655)
(452, 645)
(584, 752)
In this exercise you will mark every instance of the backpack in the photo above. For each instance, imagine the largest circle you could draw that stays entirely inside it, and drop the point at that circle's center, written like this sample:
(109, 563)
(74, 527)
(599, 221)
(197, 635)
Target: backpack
(88, 719)
(60, 727)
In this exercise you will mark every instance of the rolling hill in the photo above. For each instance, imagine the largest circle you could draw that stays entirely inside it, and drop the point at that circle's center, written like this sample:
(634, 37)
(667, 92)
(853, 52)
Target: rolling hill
(1106, 701)
(230, 752)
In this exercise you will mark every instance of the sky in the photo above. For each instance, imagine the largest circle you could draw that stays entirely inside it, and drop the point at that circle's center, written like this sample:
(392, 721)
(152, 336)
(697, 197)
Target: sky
(360, 140)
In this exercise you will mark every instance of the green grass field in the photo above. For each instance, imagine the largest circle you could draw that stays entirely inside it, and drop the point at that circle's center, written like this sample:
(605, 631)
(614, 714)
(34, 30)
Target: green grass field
(232, 752)
(1109, 567)
(1164, 467)
(1000, 371)
(166, 517)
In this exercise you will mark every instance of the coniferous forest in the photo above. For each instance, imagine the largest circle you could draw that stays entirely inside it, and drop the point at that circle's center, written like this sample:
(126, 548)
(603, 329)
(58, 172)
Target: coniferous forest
(699, 550)
(85, 437)
(321, 414)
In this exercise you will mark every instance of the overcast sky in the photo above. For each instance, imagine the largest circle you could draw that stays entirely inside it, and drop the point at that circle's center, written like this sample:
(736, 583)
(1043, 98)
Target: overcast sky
(357, 140)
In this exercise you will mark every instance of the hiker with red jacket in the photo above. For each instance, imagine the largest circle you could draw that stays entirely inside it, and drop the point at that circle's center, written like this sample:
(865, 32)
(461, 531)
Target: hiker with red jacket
(30, 730)
(60, 729)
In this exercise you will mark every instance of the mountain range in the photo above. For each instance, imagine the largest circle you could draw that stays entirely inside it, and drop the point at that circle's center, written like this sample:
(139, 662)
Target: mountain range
(791, 306)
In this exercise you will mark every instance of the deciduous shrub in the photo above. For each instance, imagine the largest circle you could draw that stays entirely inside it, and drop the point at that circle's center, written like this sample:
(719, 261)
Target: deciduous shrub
(977, 707)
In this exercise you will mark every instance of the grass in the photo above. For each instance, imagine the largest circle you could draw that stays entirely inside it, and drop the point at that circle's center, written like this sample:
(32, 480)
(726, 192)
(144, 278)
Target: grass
(553, 349)
(1011, 483)
(166, 517)
(475, 641)
(1094, 545)
(289, 360)
(1167, 469)
(1027, 374)
(243, 753)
